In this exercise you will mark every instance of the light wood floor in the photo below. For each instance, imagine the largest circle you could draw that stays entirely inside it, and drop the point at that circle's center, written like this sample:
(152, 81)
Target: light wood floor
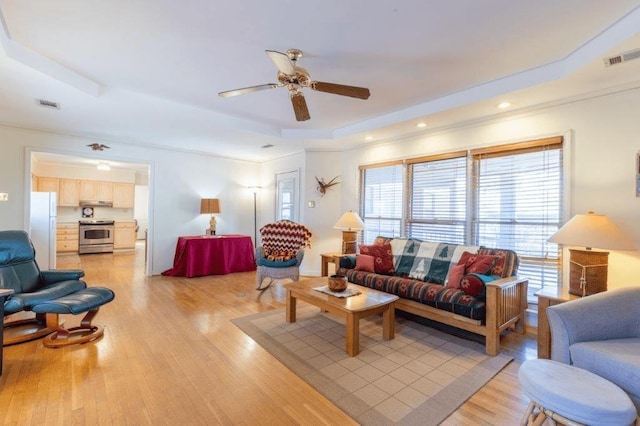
(170, 356)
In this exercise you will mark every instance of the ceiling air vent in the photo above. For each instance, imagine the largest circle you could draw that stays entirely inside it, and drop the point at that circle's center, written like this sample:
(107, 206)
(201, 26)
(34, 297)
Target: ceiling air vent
(267, 146)
(623, 57)
(47, 104)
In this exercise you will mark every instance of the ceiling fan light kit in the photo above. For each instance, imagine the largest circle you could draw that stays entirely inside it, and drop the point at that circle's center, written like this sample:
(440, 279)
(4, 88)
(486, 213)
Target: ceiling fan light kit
(294, 78)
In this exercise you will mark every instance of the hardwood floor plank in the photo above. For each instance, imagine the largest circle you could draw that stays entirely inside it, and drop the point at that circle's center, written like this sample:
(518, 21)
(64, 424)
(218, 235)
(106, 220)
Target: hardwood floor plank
(170, 355)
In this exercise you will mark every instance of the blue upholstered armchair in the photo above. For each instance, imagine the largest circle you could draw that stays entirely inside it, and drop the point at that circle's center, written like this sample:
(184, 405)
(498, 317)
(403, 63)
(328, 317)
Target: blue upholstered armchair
(601, 333)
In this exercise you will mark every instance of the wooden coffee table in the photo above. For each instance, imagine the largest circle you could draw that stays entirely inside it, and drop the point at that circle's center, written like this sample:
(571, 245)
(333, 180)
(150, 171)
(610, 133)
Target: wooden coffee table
(368, 302)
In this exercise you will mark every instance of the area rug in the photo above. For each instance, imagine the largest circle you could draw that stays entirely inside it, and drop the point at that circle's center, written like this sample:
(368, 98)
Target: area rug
(420, 377)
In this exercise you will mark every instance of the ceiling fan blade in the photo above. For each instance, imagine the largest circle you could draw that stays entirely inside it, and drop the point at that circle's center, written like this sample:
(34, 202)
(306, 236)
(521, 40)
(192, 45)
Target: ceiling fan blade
(300, 106)
(282, 62)
(340, 89)
(244, 90)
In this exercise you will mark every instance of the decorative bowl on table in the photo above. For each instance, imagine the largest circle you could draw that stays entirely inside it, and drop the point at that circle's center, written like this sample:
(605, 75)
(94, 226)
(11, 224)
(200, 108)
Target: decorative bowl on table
(337, 283)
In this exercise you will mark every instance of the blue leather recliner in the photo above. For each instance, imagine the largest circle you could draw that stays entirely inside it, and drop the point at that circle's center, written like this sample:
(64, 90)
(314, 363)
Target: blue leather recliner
(45, 293)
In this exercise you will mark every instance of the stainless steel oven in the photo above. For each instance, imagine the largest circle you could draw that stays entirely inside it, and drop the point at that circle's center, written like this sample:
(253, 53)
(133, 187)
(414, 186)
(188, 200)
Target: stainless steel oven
(96, 236)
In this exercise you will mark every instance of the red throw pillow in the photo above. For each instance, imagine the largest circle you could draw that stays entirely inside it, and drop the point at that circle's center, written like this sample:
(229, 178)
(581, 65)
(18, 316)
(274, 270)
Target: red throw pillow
(383, 260)
(480, 264)
(471, 285)
(364, 262)
(455, 276)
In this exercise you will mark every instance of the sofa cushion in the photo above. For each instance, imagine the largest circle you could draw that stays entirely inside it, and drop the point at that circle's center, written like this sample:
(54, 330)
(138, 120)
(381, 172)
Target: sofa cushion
(617, 360)
(383, 260)
(364, 262)
(435, 295)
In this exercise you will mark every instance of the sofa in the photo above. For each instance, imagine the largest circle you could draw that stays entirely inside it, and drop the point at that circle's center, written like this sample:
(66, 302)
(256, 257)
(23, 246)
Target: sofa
(468, 287)
(601, 333)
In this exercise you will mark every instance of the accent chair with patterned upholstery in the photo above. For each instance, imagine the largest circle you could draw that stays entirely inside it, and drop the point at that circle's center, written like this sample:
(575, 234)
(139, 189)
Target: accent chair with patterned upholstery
(281, 253)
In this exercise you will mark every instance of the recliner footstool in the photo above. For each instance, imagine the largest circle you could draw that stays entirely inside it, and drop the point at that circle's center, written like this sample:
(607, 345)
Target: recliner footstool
(572, 396)
(88, 300)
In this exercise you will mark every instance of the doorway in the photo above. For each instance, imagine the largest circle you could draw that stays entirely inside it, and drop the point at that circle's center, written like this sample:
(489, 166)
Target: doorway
(43, 164)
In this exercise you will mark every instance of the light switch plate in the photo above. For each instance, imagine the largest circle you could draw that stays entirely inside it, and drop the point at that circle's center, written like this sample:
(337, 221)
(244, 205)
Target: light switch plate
(311, 204)
(4, 196)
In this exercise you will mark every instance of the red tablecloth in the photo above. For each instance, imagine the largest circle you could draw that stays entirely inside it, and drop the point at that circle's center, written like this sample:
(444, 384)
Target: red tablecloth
(216, 255)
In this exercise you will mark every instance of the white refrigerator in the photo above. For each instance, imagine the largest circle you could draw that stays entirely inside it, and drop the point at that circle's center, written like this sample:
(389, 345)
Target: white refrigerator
(43, 228)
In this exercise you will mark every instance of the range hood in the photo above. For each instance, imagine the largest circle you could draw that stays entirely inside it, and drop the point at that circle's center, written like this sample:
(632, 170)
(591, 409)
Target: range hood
(95, 203)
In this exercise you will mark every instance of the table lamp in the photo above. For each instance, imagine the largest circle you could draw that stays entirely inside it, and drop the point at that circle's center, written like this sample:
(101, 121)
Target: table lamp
(350, 223)
(588, 269)
(210, 206)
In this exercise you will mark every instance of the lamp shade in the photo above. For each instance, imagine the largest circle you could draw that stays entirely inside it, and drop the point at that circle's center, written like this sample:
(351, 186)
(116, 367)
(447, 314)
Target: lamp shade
(592, 231)
(210, 205)
(350, 221)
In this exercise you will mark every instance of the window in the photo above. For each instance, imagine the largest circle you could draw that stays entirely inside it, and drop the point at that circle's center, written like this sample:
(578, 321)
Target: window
(517, 193)
(437, 198)
(381, 200)
(512, 199)
(287, 196)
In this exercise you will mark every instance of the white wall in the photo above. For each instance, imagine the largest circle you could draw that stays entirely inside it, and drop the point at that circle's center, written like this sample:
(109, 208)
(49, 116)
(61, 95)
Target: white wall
(177, 183)
(141, 209)
(604, 138)
(328, 208)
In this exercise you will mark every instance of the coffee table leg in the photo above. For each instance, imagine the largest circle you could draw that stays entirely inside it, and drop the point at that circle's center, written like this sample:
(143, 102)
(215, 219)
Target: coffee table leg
(353, 334)
(291, 307)
(389, 322)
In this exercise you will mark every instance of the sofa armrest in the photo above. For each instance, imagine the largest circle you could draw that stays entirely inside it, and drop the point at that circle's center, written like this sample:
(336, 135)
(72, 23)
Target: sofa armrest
(609, 315)
(57, 275)
(506, 305)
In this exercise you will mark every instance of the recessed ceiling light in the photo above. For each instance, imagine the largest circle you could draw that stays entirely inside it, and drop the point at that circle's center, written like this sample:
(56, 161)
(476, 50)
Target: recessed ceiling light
(421, 125)
(503, 105)
(104, 166)
(368, 138)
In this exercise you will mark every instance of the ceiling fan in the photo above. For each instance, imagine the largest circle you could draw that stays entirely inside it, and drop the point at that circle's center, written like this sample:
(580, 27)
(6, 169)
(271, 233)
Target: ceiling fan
(294, 78)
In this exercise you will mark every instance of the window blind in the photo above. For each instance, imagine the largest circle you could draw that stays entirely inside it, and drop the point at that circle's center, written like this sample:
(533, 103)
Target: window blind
(437, 205)
(517, 194)
(381, 200)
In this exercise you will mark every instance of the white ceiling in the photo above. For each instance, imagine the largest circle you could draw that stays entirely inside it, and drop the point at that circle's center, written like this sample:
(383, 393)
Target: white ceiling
(148, 72)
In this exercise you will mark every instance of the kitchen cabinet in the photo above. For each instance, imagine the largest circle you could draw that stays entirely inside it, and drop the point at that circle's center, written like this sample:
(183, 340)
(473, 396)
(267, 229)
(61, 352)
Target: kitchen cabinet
(67, 237)
(47, 184)
(69, 192)
(95, 190)
(124, 236)
(123, 195)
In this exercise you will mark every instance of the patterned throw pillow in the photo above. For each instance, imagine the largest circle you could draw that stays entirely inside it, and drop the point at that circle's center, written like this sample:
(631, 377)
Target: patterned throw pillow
(472, 285)
(383, 260)
(364, 262)
(279, 255)
(480, 264)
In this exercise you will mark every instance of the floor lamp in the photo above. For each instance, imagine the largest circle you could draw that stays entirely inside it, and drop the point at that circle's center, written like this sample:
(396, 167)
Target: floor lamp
(588, 269)
(255, 190)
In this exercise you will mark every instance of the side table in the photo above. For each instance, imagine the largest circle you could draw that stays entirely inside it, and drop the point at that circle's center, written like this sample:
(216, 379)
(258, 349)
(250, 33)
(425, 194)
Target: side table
(327, 258)
(549, 297)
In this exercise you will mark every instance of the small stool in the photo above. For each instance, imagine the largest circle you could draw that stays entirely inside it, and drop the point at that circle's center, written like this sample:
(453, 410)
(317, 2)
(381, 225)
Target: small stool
(572, 396)
(87, 300)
